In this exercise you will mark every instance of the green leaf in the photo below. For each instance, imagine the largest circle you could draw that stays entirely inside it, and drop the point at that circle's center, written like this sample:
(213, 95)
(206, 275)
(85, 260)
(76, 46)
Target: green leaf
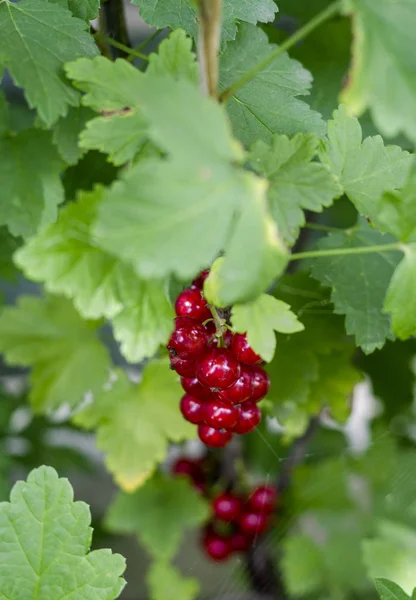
(4, 115)
(66, 357)
(359, 284)
(382, 79)
(185, 194)
(66, 133)
(159, 513)
(36, 39)
(134, 423)
(175, 58)
(268, 103)
(8, 245)
(29, 180)
(83, 9)
(401, 295)
(397, 211)
(296, 183)
(165, 581)
(165, 13)
(302, 565)
(45, 544)
(388, 590)
(364, 169)
(65, 258)
(260, 319)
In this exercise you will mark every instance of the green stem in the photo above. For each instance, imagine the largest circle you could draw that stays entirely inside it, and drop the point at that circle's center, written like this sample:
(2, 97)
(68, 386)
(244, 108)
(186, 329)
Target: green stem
(120, 46)
(320, 18)
(143, 45)
(328, 228)
(210, 12)
(346, 251)
(219, 325)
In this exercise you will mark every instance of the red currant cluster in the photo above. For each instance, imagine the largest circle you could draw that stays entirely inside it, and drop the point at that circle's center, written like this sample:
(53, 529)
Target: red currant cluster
(219, 371)
(237, 519)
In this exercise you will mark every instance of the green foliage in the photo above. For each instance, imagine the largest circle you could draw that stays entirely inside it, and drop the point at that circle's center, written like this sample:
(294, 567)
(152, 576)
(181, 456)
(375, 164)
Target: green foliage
(165, 581)
(63, 350)
(66, 132)
(45, 544)
(174, 57)
(389, 590)
(83, 9)
(401, 295)
(134, 423)
(397, 211)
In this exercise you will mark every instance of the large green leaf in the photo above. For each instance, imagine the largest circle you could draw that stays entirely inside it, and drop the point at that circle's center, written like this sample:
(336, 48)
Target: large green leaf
(165, 581)
(66, 133)
(45, 541)
(365, 169)
(267, 104)
(401, 295)
(389, 590)
(30, 183)
(64, 257)
(382, 74)
(175, 58)
(165, 13)
(66, 357)
(36, 39)
(359, 283)
(158, 513)
(296, 183)
(397, 211)
(134, 423)
(200, 196)
(83, 9)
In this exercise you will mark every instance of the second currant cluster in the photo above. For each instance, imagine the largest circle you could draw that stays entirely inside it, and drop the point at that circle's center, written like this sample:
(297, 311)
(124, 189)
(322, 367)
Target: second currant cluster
(219, 373)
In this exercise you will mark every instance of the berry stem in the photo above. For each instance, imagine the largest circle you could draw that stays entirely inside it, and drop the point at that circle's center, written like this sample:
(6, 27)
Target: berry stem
(346, 251)
(300, 34)
(220, 325)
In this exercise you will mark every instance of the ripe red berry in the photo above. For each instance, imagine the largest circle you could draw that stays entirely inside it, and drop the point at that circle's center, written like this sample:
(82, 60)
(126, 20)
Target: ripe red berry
(190, 303)
(199, 281)
(218, 548)
(253, 523)
(239, 542)
(215, 438)
(227, 507)
(192, 409)
(263, 499)
(184, 466)
(243, 351)
(183, 367)
(218, 368)
(219, 415)
(260, 384)
(241, 390)
(192, 386)
(249, 416)
(227, 336)
(189, 338)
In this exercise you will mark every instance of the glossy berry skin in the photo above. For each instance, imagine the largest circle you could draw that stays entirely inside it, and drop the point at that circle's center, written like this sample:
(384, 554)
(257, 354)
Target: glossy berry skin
(192, 386)
(199, 281)
(218, 368)
(253, 523)
(227, 507)
(243, 351)
(188, 340)
(260, 384)
(241, 390)
(192, 409)
(263, 499)
(248, 418)
(184, 368)
(227, 336)
(190, 303)
(239, 542)
(220, 415)
(214, 438)
(218, 548)
(184, 466)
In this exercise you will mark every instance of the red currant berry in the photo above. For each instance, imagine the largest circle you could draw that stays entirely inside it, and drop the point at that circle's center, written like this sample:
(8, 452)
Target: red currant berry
(190, 303)
(218, 548)
(241, 390)
(218, 368)
(184, 466)
(249, 416)
(199, 281)
(227, 336)
(189, 338)
(263, 499)
(227, 507)
(260, 384)
(239, 542)
(219, 415)
(253, 523)
(192, 386)
(243, 351)
(184, 368)
(215, 438)
(192, 409)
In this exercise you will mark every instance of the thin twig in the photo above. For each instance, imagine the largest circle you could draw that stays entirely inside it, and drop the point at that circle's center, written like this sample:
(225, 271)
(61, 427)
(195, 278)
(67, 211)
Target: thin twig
(126, 50)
